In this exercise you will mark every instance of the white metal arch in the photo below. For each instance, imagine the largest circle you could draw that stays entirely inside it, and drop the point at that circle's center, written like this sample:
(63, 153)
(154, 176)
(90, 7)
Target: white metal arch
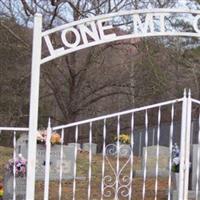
(79, 29)
(99, 37)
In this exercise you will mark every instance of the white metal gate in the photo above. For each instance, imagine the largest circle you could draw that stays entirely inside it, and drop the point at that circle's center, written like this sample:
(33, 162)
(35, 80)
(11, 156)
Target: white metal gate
(118, 171)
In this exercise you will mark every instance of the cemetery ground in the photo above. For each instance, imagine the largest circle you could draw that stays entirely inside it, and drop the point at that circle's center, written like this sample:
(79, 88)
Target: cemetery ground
(82, 181)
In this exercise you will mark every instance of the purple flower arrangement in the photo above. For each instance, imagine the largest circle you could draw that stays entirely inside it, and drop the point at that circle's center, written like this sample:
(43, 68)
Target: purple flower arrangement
(19, 166)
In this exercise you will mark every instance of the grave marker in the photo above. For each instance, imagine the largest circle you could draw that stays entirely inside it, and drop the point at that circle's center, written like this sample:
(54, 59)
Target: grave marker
(22, 145)
(151, 162)
(68, 162)
(195, 166)
(20, 187)
(86, 147)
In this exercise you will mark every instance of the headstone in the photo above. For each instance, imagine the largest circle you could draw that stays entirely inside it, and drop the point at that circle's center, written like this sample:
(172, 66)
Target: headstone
(124, 150)
(20, 187)
(195, 166)
(74, 145)
(191, 195)
(22, 145)
(163, 161)
(86, 147)
(55, 163)
(151, 162)
(68, 159)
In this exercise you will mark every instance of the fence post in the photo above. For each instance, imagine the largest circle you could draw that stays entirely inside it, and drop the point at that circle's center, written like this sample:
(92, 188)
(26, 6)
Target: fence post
(187, 145)
(47, 161)
(182, 147)
(34, 102)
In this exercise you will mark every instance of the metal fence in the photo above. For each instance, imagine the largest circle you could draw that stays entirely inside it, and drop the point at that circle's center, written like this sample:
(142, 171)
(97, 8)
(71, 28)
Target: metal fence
(140, 169)
(116, 173)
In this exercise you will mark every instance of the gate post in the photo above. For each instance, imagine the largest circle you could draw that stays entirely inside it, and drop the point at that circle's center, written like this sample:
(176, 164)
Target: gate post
(187, 144)
(182, 147)
(34, 101)
(47, 161)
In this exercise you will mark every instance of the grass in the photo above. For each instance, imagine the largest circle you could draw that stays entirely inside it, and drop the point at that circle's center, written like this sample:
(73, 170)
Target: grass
(5, 155)
(96, 178)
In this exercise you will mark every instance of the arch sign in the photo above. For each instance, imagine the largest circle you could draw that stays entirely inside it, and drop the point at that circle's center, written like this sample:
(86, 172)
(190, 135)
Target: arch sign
(138, 23)
(94, 31)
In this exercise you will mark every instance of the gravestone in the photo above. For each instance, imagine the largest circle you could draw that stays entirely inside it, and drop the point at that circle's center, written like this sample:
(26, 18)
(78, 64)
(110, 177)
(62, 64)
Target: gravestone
(74, 144)
(55, 162)
(195, 166)
(20, 187)
(124, 150)
(68, 159)
(191, 195)
(22, 145)
(151, 162)
(86, 147)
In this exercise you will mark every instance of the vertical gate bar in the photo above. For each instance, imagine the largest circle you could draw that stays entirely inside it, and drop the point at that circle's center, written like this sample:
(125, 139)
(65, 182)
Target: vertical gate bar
(192, 132)
(103, 163)
(75, 162)
(90, 162)
(198, 159)
(153, 137)
(157, 152)
(140, 144)
(145, 155)
(182, 147)
(34, 101)
(117, 165)
(47, 161)
(187, 145)
(61, 165)
(14, 166)
(170, 150)
(132, 154)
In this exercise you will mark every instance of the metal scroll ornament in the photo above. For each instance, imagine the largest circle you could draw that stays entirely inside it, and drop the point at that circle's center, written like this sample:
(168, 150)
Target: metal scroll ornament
(118, 182)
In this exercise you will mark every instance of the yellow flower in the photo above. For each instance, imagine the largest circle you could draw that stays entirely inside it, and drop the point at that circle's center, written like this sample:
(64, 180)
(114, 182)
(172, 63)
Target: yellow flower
(55, 138)
(123, 138)
(1, 192)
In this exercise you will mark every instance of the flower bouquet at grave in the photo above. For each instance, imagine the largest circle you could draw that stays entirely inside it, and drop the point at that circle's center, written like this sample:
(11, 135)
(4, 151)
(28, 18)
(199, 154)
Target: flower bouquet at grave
(42, 137)
(175, 158)
(1, 190)
(55, 138)
(19, 165)
(123, 138)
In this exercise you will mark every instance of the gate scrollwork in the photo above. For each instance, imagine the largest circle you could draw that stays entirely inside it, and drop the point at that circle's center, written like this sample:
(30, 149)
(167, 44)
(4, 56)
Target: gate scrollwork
(118, 182)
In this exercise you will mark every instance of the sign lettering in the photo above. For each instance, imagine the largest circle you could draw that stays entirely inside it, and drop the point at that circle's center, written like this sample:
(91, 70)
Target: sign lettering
(99, 30)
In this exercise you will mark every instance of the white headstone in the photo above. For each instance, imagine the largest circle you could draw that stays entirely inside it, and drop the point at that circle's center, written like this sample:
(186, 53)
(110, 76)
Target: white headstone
(55, 163)
(20, 187)
(163, 161)
(68, 159)
(191, 195)
(124, 150)
(22, 145)
(151, 162)
(74, 145)
(86, 147)
(195, 166)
